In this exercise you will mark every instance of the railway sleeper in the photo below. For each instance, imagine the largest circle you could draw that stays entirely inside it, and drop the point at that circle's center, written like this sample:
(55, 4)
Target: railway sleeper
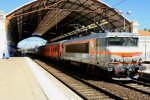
(99, 97)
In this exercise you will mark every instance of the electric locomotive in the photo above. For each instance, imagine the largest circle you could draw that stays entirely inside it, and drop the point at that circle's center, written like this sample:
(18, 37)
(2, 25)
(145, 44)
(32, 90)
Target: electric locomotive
(117, 53)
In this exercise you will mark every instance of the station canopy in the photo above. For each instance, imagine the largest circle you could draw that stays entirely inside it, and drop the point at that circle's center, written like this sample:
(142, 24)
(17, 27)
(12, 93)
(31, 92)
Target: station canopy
(60, 19)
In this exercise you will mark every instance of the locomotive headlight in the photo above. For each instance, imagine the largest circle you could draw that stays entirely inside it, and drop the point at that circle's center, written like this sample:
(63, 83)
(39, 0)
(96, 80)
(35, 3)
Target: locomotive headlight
(140, 59)
(111, 60)
(110, 67)
(127, 60)
(116, 59)
(121, 59)
(137, 59)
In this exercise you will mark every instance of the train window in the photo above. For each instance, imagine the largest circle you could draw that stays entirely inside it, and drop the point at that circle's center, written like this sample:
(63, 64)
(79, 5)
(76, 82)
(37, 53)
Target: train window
(55, 49)
(130, 42)
(47, 49)
(115, 41)
(78, 48)
(122, 41)
(52, 49)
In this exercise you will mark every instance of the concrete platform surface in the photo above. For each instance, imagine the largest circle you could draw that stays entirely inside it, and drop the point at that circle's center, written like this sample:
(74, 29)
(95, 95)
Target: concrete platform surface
(147, 68)
(22, 79)
(53, 88)
(146, 73)
(17, 81)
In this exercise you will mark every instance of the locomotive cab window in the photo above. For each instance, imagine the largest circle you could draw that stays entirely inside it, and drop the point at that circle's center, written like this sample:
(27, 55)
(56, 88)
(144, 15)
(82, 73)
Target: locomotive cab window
(122, 41)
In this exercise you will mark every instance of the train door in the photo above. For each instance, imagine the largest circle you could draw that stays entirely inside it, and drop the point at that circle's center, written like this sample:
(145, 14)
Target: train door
(100, 53)
(92, 51)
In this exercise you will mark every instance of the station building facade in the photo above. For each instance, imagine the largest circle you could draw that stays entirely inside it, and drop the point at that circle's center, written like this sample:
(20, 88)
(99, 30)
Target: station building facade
(145, 44)
(3, 39)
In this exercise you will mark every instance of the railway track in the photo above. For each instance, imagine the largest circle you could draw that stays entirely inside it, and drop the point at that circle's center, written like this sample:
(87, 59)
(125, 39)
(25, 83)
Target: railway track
(137, 86)
(96, 89)
(82, 88)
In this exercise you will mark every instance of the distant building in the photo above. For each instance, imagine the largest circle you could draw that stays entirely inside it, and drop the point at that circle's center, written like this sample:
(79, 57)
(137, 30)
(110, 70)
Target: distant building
(2, 16)
(3, 40)
(145, 44)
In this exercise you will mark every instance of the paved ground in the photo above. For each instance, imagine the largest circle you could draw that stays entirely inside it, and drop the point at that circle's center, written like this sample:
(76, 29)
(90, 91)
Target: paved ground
(17, 81)
(147, 68)
(146, 73)
(22, 79)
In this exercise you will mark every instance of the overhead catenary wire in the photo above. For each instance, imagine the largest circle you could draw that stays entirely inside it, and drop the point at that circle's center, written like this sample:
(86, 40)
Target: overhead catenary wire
(144, 24)
(119, 3)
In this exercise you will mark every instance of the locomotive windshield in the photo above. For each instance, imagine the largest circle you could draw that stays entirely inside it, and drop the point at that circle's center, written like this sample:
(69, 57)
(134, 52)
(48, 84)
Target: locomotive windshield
(122, 41)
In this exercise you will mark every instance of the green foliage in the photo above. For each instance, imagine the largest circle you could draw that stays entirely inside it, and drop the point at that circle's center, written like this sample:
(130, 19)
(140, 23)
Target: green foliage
(146, 29)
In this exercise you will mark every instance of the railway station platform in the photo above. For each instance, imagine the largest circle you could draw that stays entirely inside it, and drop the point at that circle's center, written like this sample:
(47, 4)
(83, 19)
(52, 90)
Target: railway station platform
(146, 73)
(23, 79)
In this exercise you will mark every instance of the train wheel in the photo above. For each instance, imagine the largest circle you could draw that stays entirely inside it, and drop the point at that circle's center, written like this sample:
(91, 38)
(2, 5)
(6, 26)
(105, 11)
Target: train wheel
(88, 68)
(92, 69)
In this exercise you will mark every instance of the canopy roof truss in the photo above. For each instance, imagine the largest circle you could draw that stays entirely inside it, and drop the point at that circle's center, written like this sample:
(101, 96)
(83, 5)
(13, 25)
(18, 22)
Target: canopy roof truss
(51, 19)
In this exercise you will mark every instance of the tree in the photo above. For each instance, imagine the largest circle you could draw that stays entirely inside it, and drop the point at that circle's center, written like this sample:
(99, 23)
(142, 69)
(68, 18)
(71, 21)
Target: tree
(146, 29)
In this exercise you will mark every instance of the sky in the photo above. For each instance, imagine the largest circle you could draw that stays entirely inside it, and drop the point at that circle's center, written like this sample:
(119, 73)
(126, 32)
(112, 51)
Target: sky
(31, 42)
(9, 5)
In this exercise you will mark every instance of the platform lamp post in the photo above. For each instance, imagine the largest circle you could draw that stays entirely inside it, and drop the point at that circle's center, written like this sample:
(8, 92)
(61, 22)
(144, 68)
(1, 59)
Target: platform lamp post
(124, 20)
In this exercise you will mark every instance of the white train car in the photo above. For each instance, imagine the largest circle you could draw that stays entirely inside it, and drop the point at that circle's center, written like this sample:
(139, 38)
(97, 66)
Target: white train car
(117, 53)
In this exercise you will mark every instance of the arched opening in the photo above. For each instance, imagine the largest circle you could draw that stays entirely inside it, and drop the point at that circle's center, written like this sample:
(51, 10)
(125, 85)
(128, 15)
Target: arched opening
(29, 43)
